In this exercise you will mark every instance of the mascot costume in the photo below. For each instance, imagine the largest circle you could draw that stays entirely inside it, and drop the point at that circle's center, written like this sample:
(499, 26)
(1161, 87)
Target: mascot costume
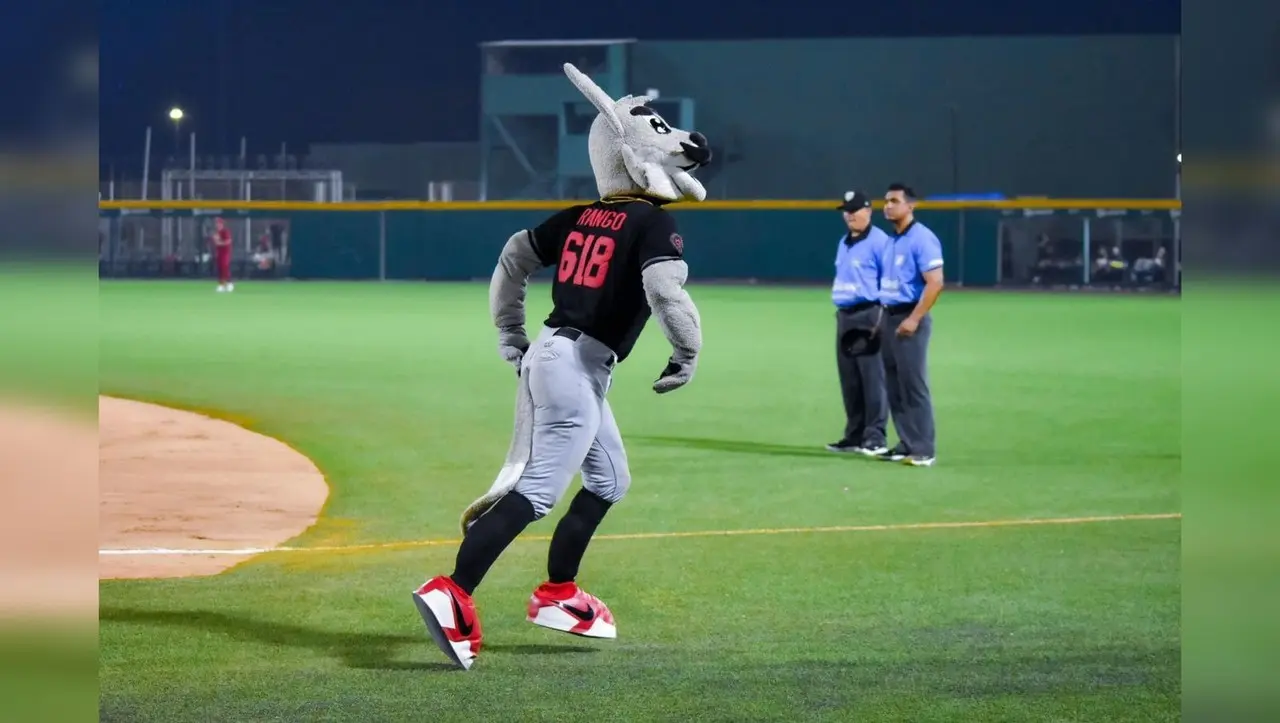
(562, 421)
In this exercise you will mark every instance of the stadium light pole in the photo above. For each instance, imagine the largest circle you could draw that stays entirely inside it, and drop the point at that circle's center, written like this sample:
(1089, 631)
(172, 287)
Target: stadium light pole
(176, 115)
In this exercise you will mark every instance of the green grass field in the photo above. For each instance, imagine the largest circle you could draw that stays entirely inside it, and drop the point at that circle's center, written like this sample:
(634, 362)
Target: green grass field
(1048, 406)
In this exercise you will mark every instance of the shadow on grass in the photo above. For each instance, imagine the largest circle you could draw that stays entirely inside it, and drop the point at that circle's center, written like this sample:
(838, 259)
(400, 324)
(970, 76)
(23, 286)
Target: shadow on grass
(537, 649)
(738, 447)
(355, 649)
(362, 650)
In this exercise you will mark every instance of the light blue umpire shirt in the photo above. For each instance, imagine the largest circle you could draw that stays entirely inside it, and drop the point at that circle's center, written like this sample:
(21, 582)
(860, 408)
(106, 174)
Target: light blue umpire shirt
(859, 264)
(908, 256)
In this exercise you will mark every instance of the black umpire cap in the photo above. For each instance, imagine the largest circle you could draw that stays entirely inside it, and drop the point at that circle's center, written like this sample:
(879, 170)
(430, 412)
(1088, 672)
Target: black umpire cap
(854, 201)
(860, 340)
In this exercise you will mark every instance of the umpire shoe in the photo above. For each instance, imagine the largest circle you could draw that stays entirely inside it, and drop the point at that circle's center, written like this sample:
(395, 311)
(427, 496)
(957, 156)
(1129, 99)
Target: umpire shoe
(844, 446)
(566, 607)
(871, 449)
(866, 449)
(450, 615)
(897, 454)
(919, 460)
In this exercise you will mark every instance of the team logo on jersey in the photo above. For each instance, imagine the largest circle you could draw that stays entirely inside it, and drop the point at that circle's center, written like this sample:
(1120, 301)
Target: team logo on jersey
(677, 242)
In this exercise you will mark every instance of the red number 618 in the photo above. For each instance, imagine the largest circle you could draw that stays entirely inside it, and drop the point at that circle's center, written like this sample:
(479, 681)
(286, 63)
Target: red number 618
(585, 260)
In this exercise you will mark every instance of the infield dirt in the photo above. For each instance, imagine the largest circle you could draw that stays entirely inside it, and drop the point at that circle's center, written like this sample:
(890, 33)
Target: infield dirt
(175, 480)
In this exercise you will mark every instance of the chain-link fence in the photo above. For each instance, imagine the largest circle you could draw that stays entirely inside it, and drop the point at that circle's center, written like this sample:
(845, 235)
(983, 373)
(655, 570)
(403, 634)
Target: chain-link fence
(1121, 249)
(135, 245)
(150, 244)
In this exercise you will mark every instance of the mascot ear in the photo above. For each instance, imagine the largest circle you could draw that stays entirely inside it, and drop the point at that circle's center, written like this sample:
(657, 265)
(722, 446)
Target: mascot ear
(598, 97)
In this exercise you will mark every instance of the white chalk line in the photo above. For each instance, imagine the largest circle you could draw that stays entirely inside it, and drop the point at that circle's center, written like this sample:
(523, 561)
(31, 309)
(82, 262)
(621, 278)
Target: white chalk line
(407, 544)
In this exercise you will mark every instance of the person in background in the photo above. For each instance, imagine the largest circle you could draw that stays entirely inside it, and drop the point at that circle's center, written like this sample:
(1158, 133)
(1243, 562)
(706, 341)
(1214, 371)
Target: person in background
(1046, 261)
(1109, 266)
(221, 240)
(856, 295)
(909, 288)
(1150, 269)
(264, 256)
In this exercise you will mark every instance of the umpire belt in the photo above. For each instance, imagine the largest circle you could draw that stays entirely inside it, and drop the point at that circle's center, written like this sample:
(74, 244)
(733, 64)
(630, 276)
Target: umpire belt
(860, 306)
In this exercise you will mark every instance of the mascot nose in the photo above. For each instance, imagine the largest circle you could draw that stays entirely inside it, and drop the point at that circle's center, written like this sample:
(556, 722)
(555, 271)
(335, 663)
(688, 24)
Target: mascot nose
(698, 151)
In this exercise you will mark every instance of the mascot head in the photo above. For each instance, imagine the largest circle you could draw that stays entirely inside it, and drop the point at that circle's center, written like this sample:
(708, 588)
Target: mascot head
(634, 151)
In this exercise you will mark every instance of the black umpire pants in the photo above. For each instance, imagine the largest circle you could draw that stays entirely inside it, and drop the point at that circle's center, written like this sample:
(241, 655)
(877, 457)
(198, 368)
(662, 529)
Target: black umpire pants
(862, 382)
(907, 381)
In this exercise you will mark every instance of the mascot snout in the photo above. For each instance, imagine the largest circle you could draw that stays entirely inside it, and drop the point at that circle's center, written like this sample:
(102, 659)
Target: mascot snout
(696, 150)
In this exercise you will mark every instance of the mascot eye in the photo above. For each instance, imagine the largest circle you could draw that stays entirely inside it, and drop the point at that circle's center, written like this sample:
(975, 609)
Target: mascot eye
(660, 125)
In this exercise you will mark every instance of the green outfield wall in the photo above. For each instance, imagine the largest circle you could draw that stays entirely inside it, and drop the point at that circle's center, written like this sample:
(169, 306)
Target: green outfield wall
(728, 240)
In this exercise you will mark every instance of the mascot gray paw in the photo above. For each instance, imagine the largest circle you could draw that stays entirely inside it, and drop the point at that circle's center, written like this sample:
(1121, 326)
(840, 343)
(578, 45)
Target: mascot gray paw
(676, 374)
(512, 346)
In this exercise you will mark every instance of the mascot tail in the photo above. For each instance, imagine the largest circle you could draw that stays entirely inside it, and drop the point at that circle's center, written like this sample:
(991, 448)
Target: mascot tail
(517, 458)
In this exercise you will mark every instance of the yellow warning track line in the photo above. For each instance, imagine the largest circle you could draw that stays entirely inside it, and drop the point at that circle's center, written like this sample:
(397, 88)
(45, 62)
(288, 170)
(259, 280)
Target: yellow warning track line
(411, 544)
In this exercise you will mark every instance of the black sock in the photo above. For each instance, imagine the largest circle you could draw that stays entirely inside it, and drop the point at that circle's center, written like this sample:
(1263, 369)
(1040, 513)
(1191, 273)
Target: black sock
(573, 533)
(488, 537)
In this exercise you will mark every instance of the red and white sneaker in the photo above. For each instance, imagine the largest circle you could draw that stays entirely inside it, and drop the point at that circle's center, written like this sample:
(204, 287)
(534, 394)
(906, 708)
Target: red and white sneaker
(565, 607)
(450, 615)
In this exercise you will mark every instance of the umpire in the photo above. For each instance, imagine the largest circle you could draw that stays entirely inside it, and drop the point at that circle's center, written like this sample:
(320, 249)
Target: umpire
(856, 295)
(908, 289)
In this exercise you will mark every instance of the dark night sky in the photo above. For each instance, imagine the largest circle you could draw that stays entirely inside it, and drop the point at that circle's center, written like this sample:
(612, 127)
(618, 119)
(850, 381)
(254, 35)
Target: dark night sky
(301, 71)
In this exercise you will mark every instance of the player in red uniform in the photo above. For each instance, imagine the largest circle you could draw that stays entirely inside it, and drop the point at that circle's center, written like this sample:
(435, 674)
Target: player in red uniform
(222, 254)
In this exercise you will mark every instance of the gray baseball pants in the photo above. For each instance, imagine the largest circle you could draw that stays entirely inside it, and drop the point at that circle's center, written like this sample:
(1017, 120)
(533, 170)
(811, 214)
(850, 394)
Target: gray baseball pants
(907, 382)
(866, 408)
(573, 428)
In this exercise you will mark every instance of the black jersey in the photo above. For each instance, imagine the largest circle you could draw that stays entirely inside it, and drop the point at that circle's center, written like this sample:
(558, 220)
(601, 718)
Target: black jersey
(599, 251)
